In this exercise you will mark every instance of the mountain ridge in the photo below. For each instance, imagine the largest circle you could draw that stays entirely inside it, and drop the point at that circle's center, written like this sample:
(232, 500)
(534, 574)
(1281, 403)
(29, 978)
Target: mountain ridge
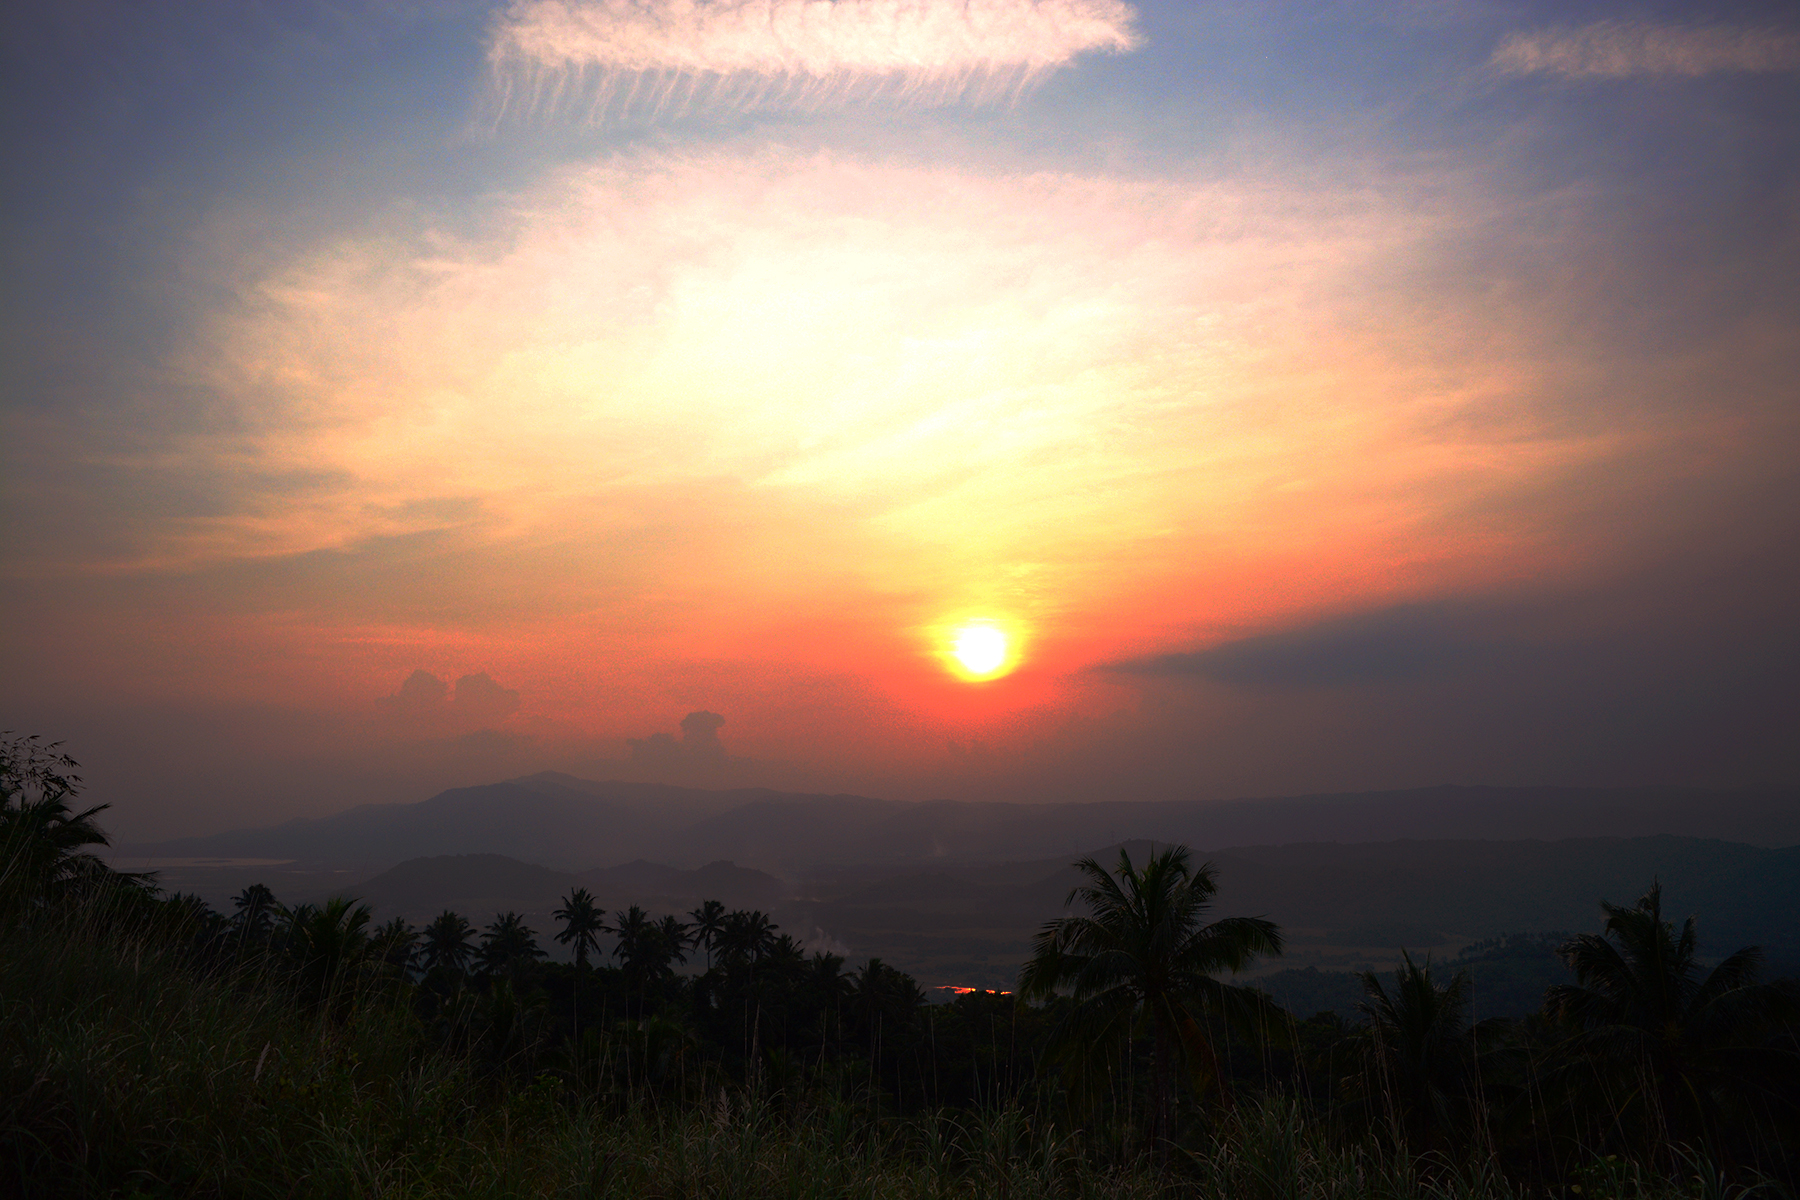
(576, 825)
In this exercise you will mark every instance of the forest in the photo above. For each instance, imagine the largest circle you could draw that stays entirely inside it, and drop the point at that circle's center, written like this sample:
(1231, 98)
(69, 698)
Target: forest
(151, 1046)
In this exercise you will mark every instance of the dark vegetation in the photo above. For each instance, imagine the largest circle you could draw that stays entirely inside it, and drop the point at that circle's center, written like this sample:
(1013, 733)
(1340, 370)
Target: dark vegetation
(953, 894)
(150, 1046)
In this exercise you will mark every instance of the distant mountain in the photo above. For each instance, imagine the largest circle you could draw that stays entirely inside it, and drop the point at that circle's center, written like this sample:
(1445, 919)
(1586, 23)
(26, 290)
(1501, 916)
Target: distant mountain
(1342, 906)
(575, 824)
(478, 886)
(553, 819)
(652, 884)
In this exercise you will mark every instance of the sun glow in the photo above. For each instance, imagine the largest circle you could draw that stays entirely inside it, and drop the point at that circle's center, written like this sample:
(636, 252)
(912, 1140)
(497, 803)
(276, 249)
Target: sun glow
(981, 650)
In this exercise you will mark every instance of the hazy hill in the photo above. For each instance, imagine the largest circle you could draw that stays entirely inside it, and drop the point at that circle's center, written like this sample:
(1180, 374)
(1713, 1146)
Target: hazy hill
(476, 885)
(649, 883)
(1343, 906)
(545, 818)
(578, 824)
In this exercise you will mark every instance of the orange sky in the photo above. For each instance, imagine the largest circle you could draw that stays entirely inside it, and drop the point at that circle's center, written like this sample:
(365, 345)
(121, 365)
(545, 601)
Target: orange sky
(743, 389)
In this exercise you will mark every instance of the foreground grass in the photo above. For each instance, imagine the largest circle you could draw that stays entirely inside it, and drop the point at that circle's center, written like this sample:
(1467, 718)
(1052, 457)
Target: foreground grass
(124, 1072)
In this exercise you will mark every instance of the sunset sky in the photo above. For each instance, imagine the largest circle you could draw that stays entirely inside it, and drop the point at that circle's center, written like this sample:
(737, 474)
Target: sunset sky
(1312, 396)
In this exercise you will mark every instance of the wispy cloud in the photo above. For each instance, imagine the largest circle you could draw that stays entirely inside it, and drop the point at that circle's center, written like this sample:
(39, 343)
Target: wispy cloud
(1618, 49)
(718, 376)
(614, 58)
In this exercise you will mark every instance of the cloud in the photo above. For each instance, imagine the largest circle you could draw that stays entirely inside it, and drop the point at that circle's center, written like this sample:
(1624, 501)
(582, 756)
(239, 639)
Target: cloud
(1619, 49)
(650, 57)
(421, 692)
(479, 698)
(1102, 360)
(807, 407)
(1406, 642)
(699, 744)
(476, 699)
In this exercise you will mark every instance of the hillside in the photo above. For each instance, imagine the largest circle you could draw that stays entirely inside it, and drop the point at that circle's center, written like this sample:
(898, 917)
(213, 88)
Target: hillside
(574, 824)
(1342, 907)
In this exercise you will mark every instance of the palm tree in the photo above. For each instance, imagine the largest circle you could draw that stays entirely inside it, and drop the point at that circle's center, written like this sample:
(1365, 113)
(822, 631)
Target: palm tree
(745, 937)
(634, 932)
(253, 913)
(709, 919)
(328, 943)
(447, 942)
(1141, 961)
(883, 998)
(508, 946)
(672, 943)
(1682, 1051)
(396, 943)
(825, 978)
(43, 841)
(649, 949)
(582, 925)
(1421, 1048)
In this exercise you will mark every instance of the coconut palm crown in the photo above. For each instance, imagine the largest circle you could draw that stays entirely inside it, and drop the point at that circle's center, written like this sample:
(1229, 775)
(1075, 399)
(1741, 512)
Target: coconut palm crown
(583, 924)
(1681, 1047)
(1421, 1050)
(1143, 960)
(447, 943)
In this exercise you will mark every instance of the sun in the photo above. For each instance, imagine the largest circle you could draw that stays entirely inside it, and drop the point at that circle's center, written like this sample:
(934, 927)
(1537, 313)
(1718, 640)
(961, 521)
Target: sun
(980, 650)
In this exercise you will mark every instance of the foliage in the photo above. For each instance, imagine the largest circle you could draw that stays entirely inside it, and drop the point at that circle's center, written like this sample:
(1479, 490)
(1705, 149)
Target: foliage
(1142, 962)
(44, 843)
(151, 1047)
(508, 947)
(447, 946)
(583, 924)
(1671, 1053)
(1420, 1053)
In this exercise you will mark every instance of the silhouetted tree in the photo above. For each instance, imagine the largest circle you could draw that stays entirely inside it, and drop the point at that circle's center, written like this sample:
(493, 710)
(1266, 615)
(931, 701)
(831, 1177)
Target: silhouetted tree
(253, 914)
(582, 925)
(508, 947)
(745, 937)
(633, 932)
(327, 945)
(44, 842)
(709, 920)
(1142, 959)
(447, 943)
(649, 949)
(1421, 1050)
(883, 999)
(1679, 1050)
(396, 944)
(673, 941)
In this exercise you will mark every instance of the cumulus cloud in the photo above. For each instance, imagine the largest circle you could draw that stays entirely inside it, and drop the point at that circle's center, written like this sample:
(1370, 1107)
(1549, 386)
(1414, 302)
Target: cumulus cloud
(1618, 49)
(698, 745)
(476, 699)
(625, 57)
(421, 692)
(480, 698)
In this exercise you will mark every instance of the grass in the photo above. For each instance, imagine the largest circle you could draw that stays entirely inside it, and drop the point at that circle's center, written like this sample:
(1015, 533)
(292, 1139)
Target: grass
(125, 1071)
